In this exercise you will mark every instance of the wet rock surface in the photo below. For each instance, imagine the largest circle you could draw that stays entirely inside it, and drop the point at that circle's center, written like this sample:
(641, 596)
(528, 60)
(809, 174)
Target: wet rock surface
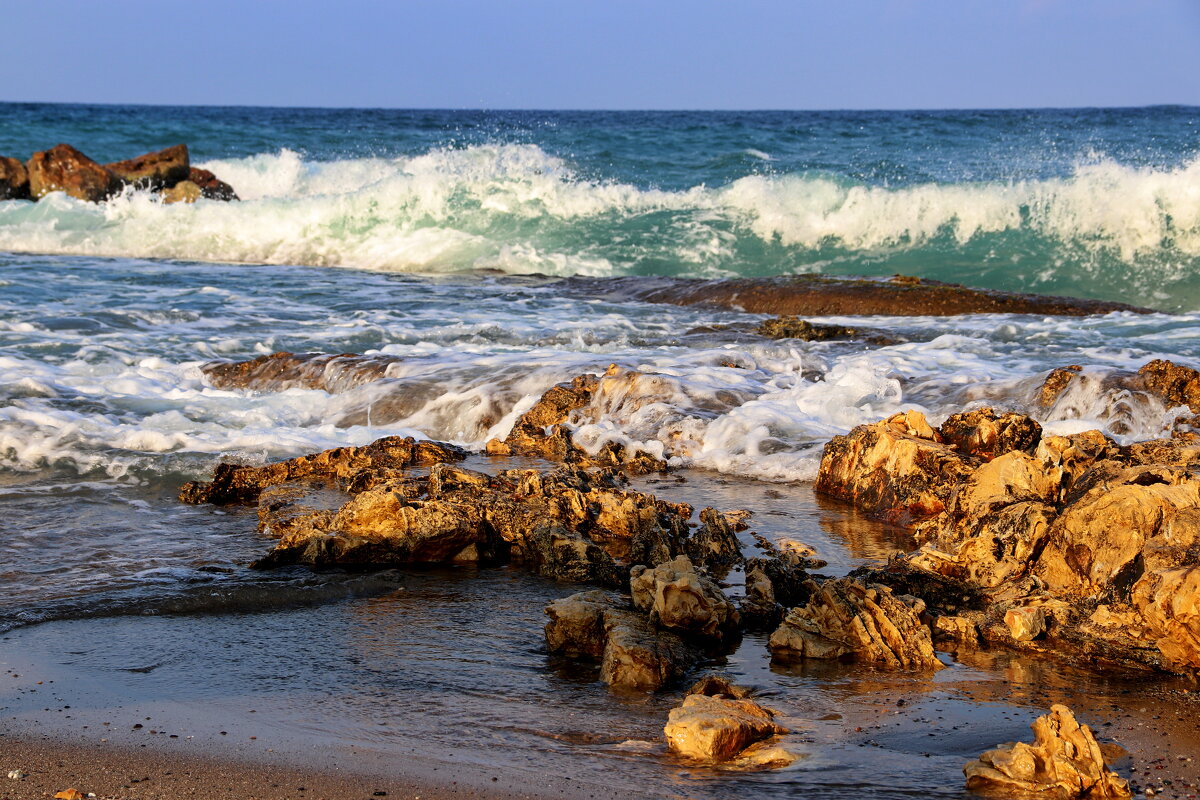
(280, 371)
(792, 327)
(14, 179)
(679, 597)
(156, 171)
(62, 168)
(1072, 543)
(1064, 761)
(633, 654)
(868, 623)
(712, 729)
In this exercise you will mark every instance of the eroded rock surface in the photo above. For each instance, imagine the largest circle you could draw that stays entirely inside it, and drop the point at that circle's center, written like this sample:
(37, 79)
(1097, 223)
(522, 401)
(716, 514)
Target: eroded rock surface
(715, 729)
(679, 597)
(846, 618)
(156, 170)
(62, 168)
(1063, 762)
(599, 626)
(279, 371)
(792, 327)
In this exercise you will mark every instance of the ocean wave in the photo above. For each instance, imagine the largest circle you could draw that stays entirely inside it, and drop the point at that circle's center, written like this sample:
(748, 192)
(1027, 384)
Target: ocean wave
(520, 209)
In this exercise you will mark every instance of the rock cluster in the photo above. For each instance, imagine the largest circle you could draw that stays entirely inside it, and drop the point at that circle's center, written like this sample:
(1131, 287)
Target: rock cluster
(62, 168)
(1068, 540)
(1064, 762)
(543, 431)
(564, 523)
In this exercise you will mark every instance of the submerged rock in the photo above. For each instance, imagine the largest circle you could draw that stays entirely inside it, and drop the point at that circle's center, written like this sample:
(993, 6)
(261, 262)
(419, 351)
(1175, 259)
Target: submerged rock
(156, 170)
(791, 327)
(62, 168)
(715, 729)
(597, 626)
(868, 623)
(1063, 762)
(14, 179)
(280, 371)
(211, 187)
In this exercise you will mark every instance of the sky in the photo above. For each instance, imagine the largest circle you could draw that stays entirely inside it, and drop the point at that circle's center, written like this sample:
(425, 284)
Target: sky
(609, 54)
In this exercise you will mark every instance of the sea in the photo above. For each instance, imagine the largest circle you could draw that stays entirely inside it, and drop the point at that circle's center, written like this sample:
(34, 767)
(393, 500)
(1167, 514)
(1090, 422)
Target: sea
(441, 239)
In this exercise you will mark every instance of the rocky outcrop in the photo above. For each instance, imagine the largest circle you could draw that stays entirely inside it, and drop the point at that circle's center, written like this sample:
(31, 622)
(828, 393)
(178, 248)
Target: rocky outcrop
(597, 626)
(157, 170)
(715, 729)
(791, 327)
(1172, 384)
(1072, 543)
(543, 431)
(280, 371)
(868, 623)
(1063, 762)
(899, 470)
(210, 186)
(350, 468)
(62, 168)
(679, 597)
(14, 179)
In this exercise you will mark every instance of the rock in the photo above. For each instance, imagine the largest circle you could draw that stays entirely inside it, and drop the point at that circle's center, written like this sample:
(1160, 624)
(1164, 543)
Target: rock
(772, 585)
(63, 168)
(1167, 603)
(632, 655)
(16, 774)
(897, 470)
(680, 598)
(70, 794)
(389, 456)
(985, 434)
(712, 729)
(1055, 383)
(158, 170)
(211, 188)
(844, 617)
(956, 628)
(182, 192)
(1174, 384)
(1064, 761)
(277, 372)
(14, 179)
(791, 327)
(543, 432)
(1026, 623)
(718, 686)
(715, 544)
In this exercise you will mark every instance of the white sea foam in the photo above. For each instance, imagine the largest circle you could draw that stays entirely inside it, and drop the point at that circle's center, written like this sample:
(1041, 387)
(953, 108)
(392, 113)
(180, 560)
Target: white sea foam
(519, 209)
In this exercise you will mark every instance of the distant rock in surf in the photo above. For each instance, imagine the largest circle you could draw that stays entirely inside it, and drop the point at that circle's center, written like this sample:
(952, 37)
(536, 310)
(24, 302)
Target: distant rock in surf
(65, 169)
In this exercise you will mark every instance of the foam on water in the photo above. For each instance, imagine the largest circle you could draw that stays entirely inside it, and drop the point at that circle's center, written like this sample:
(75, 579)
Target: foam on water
(520, 209)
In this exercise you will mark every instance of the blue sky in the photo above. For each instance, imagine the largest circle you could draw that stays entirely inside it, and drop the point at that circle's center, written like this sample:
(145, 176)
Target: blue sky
(705, 54)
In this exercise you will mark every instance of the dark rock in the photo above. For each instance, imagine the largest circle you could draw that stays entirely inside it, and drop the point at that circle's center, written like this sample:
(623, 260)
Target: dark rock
(211, 187)
(14, 179)
(157, 170)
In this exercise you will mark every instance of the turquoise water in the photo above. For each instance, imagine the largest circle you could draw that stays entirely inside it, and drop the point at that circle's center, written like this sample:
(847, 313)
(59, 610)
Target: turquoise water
(1094, 202)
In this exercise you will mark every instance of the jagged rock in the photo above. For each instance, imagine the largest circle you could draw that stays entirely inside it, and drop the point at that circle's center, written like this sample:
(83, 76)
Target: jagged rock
(344, 466)
(680, 598)
(156, 170)
(211, 187)
(63, 168)
(558, 552)
(985, 434)
(791, 327)
(1058, 379)
(1174, 384)
(595, 626)
(956, 628)
(772, 585)
(14, 179)
(542, 431)
(844, 617)
(1063, 762)
(1167, 603)
(712, 729)
(897, 470)
(715, 542)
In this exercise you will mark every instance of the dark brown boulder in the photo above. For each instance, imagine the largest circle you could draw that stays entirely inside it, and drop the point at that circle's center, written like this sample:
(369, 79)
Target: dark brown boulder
(157, 170)
(62, 168)
(14, 179)
(211, 187)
